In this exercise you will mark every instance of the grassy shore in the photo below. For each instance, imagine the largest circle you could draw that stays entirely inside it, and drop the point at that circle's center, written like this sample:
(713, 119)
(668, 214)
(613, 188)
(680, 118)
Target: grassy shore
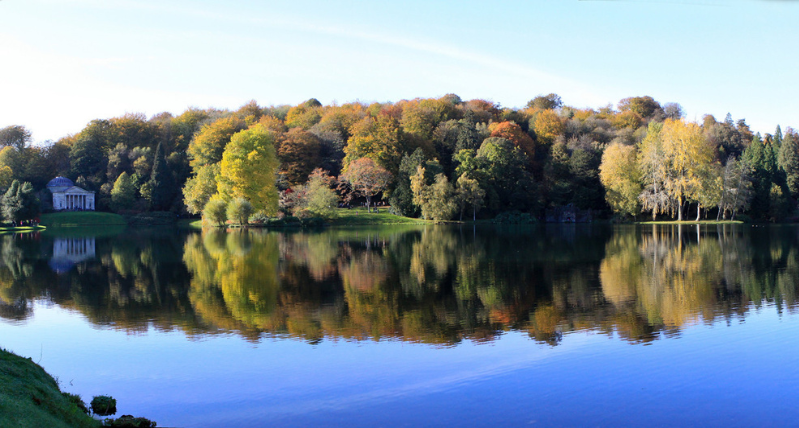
(82, 218)
(344, 217)
(359, 217)
(21, 229)
(29, 397)
(702, 222)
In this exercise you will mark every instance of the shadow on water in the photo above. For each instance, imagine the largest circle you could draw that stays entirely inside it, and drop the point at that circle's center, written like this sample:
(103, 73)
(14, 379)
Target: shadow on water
(437, 285)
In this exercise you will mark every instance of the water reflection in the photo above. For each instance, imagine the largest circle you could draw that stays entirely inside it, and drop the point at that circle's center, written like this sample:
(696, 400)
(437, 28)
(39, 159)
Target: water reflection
(67, 252)
(437, 285)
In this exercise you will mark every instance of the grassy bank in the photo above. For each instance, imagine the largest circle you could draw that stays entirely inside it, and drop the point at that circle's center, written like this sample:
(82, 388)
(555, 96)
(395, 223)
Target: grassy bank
(29, 397)
(359, 217)
(344, 217)
(82, 218)
(21, 229)
(702, 222)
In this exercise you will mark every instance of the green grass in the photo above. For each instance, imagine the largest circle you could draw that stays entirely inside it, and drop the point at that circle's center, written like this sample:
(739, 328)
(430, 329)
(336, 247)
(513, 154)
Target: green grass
(29, 397)
(21, 229)
(82, 218)
(190, 223)
(345, 217)
(692, 222)
(359, 217)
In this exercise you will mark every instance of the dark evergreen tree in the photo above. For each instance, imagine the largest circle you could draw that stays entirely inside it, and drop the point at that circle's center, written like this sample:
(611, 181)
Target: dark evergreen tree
(770, 190)
(19, 202)
(162, 183)
(11, 204)
(777, 138)
(30, 203)
(788, 160)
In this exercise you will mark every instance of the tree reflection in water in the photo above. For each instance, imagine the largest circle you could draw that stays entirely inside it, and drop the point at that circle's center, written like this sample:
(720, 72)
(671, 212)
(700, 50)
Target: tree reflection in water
(437, 285)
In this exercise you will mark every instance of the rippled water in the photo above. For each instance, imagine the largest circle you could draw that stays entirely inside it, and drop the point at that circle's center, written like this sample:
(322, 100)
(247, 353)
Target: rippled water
(551, 325)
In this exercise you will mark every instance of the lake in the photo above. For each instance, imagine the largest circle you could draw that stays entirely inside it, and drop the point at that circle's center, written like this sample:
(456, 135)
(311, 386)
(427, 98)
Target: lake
(557, 325)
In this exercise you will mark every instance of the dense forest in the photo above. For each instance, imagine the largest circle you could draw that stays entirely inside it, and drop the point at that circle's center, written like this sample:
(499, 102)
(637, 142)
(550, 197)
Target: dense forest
(437, 158)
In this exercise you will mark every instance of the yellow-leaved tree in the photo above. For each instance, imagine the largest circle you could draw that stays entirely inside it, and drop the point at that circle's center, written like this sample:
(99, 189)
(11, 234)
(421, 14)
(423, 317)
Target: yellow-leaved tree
(619, 174)
(248, 169)
(688, 155)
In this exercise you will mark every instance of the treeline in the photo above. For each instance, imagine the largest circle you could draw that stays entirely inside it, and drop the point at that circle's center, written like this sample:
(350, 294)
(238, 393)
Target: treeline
(439, 158)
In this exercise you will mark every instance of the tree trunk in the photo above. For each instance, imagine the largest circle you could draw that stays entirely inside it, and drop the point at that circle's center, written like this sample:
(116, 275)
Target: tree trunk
(679, 208)
(474, 213)
(698, 210)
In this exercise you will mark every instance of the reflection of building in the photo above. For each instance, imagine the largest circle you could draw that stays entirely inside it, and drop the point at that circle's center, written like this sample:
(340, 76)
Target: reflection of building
(68, 196)
(68, 252)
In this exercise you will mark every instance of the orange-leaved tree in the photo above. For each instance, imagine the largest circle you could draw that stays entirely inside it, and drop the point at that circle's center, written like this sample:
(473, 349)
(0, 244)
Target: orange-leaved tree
(366, 178)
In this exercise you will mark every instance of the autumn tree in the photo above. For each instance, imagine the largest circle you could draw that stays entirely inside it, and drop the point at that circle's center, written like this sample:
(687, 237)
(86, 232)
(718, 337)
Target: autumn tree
(621, 178)
(15, 136)
(248, 169)
(438, 201)
(548, 126)
(208, 145)
(366, 178)
(736, 188)
(199, 188)
(215, 211)
(305, 115)
(644, 106)
(379, 139)
(239, 209)
(514, 133)
(687, 154)
(546, 102)
(319, 199)
(298, 153)
(470, 194)
(652, 164)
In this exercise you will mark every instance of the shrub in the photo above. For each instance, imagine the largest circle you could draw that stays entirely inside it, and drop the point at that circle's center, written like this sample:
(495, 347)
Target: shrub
(215, 211)
(104, 405)
(239, 209)
(128, 421)
(76, 400)
(514, 217)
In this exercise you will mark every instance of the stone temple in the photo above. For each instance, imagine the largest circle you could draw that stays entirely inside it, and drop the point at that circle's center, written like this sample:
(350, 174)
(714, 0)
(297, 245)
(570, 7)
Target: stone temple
(69, 197)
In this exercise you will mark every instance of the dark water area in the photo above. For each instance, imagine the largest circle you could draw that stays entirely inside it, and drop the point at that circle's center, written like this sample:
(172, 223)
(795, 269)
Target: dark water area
(573, 325)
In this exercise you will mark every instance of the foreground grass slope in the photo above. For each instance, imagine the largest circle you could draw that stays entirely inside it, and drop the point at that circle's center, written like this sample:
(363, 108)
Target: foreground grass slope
(29, 397)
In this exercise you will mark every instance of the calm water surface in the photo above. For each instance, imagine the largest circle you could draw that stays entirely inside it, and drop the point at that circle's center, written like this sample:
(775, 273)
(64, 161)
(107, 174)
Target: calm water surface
(436, 326)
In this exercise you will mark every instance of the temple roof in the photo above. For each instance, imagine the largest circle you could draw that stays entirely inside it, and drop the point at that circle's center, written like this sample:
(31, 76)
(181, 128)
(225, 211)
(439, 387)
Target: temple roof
(60, 182)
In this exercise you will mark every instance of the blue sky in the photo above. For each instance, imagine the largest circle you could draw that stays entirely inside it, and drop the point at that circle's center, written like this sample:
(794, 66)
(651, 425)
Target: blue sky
(66, 62)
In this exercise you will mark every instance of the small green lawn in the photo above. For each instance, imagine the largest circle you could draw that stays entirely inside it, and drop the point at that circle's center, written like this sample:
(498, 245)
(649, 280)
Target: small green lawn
(82, 218)
(190, 223)
(29, 397)
(359, 217)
